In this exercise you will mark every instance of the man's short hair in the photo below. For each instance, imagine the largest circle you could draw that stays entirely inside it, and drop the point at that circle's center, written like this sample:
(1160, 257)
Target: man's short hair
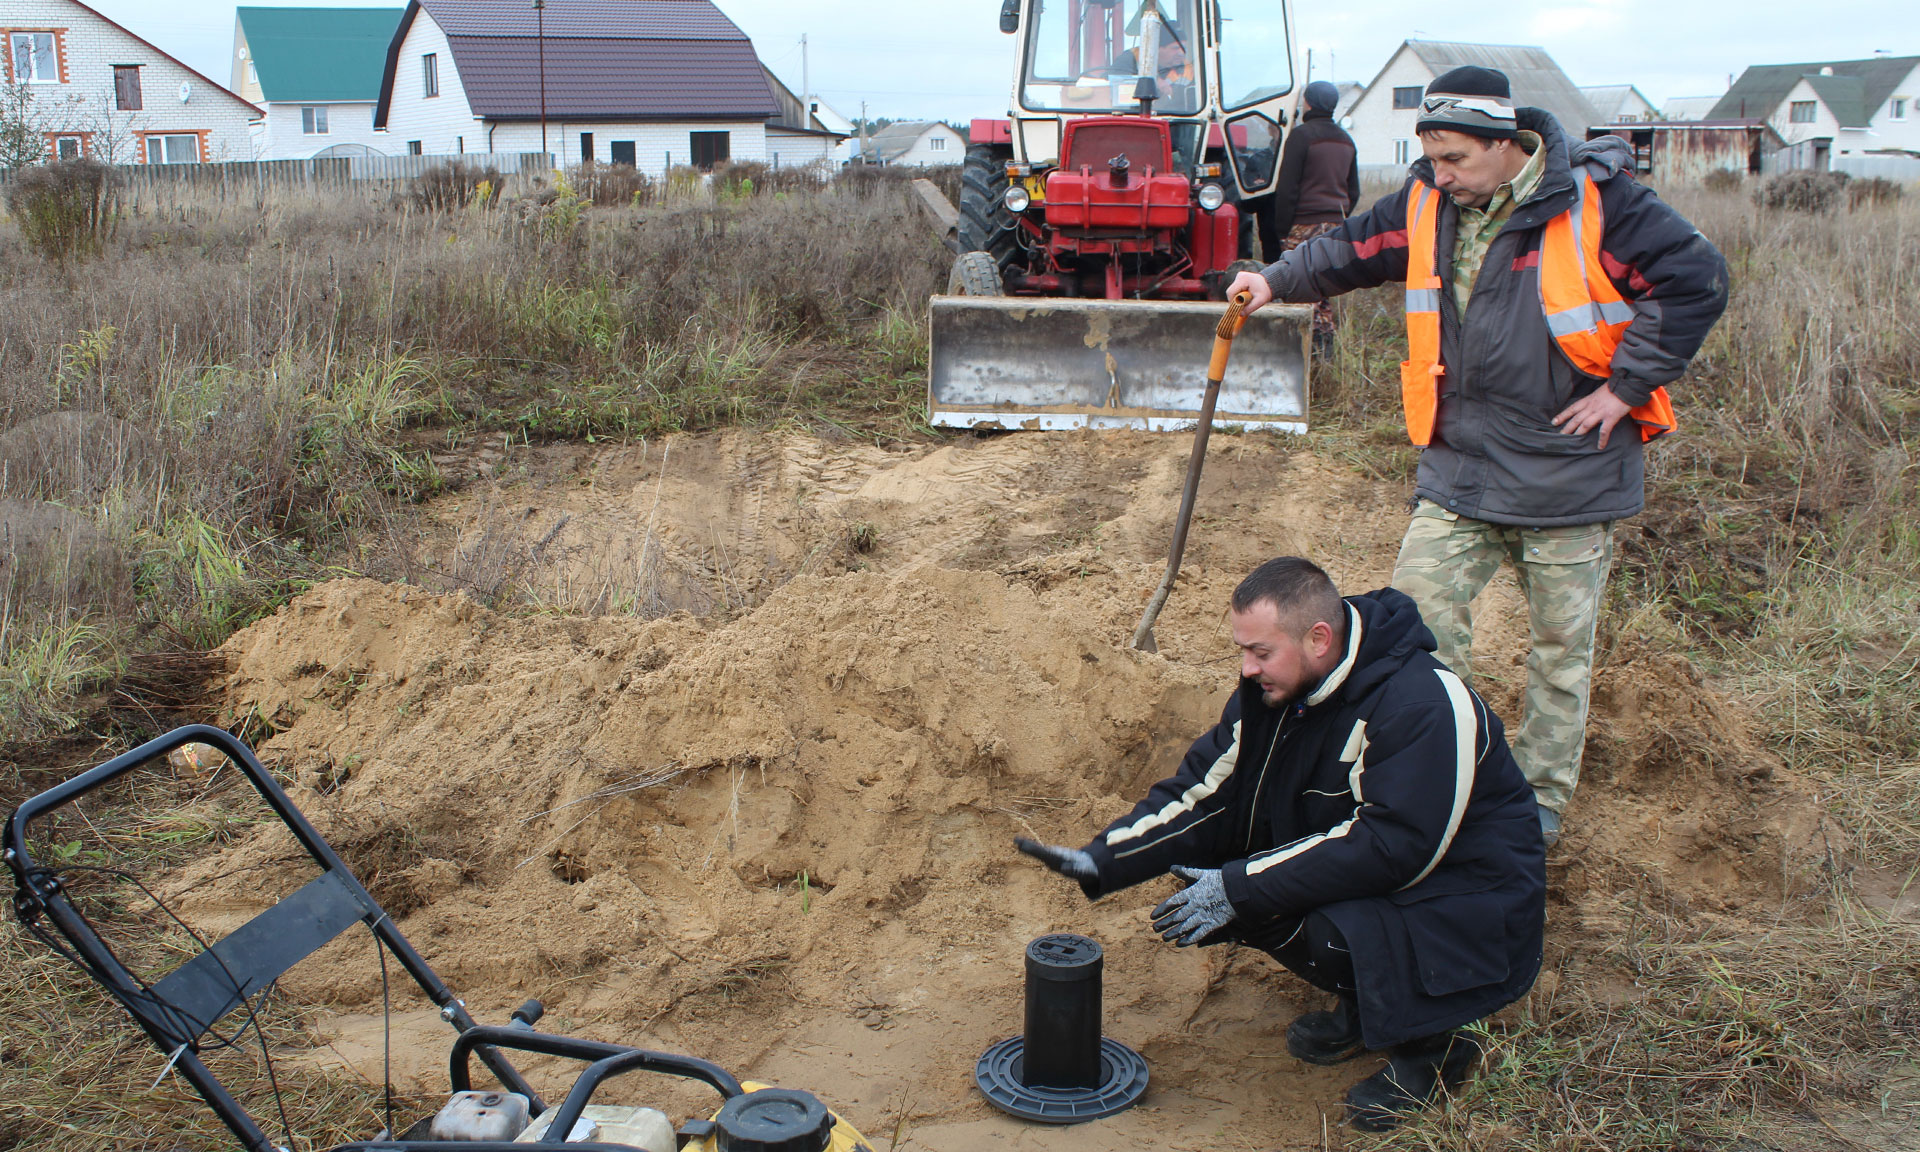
(1301, 592)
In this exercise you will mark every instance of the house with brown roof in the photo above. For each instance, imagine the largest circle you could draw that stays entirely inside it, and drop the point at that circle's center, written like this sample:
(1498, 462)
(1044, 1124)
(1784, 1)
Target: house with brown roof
(98, 90)
(656, 84)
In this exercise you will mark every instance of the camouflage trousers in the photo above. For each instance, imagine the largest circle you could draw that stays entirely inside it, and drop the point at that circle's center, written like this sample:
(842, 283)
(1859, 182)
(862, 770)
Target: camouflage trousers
(1297, 235)
(1446, 559)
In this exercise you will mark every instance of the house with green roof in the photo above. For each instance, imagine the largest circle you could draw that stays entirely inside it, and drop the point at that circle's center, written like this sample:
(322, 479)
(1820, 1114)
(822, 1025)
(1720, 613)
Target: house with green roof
(317, 73)
(1832, 109)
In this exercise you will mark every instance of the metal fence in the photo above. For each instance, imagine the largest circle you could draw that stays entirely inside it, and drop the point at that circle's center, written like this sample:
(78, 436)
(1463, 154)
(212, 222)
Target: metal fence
(316, 172)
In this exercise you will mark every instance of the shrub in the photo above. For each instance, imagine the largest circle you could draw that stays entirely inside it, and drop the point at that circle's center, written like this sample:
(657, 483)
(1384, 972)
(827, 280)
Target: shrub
(445, 187)
(1725, 181)
(1801, 191)
(65, 208)
(1873, 190)
(612, 185)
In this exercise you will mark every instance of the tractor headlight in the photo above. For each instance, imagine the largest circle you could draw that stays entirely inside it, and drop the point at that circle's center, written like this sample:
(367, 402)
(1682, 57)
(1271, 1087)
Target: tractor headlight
(1211, 196)
(1016, 198)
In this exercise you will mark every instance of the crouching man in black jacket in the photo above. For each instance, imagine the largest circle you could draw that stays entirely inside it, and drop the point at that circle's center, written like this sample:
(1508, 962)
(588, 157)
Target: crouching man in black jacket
(1355, 814)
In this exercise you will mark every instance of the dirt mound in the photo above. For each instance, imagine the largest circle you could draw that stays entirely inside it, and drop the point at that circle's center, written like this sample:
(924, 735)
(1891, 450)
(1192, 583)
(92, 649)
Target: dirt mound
(782, 841)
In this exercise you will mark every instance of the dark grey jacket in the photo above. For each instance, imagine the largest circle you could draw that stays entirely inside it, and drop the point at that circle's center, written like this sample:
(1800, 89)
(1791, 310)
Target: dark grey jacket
(1495, 454)
(1387, 800)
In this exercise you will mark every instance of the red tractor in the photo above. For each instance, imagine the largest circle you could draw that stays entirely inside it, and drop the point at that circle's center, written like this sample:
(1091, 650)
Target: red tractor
(1143, 137)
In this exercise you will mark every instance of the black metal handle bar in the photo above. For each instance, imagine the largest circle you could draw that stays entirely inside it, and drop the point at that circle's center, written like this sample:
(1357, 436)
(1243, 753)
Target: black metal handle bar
(604, 1061)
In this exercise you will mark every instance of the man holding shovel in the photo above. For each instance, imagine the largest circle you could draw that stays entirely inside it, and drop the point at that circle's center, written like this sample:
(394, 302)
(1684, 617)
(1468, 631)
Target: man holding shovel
(1549, 300)
(1357, 816)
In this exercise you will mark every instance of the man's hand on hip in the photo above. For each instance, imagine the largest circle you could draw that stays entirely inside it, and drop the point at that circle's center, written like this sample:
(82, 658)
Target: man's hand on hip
(1599, 408)
(1196, 911)
(1255, 286)
(1073, 863)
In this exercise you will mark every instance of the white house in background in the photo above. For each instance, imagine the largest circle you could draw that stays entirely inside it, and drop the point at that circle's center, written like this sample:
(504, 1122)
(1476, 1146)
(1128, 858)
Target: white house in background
(1619, 103)
(317, 73)
(647, 84)
(916, 144)
(1833, 108)
(1384, 116)
(1688, 107)
(796, 138)
(101, 91)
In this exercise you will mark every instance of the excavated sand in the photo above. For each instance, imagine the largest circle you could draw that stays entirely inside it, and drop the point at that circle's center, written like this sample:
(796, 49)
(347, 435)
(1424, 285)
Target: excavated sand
(777, 834)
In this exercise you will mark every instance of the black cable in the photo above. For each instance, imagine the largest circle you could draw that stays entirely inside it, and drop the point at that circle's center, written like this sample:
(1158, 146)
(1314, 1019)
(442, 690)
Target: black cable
(147, 998)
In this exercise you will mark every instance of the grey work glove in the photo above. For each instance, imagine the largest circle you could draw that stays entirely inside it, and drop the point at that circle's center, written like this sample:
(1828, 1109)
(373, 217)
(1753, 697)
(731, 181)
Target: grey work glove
(1200, 909)
(1072, 863)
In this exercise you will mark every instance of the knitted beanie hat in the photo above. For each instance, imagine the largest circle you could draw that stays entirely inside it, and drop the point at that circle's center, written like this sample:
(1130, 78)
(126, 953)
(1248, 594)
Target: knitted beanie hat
(1322, 96)
(1477, 101)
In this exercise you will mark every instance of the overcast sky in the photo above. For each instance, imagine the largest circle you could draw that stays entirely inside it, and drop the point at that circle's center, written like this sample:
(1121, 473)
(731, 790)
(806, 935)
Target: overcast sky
(946, 59)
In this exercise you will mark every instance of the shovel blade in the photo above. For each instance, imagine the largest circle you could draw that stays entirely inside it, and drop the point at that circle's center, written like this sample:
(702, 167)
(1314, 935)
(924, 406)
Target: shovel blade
(1045, 364)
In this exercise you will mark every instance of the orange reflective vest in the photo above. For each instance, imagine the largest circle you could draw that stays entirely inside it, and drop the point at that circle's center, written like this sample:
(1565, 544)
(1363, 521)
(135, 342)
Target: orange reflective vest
(1584, 312)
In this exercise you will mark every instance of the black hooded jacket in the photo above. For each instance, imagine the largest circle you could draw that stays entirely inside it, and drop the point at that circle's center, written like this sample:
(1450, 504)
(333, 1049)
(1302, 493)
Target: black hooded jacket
(1387, 800)
(1319, 179)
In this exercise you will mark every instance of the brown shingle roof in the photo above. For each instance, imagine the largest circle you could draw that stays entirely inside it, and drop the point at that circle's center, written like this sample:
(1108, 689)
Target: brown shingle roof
(605, 60)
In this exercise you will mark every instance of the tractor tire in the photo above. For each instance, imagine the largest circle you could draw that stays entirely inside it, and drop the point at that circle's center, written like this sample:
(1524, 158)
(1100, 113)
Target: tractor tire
(1217, 281)
(975, 274)
(986, 224)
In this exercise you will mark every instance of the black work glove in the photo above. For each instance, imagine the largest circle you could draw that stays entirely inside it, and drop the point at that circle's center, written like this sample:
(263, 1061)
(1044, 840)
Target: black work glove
(1200, 909)
(1073, 863)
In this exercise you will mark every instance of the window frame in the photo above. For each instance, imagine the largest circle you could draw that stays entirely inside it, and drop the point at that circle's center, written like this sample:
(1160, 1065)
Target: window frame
(1400, 93)
(429, 75)
(54, 140)
(58, 36)
(694, 141)
(313, 120)
(160, 137)
(1897, 108)
(1403, 151)
(936, 143)
(1803, 111)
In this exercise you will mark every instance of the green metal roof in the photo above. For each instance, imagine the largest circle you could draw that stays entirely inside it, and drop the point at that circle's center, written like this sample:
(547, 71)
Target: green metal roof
(319, 54)
(1762, 87)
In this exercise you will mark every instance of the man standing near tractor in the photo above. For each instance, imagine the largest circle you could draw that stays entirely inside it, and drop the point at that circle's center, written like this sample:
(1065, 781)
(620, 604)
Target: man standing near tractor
(1357, 816)
(1549, 300)
(1317, 187)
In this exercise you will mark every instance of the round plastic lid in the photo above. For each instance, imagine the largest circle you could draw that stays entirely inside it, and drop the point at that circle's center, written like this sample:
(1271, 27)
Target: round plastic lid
(1123, 1081)
(774, 1120)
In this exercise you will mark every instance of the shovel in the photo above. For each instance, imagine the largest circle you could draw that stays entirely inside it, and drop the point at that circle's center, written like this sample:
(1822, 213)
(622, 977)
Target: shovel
(1223, 335)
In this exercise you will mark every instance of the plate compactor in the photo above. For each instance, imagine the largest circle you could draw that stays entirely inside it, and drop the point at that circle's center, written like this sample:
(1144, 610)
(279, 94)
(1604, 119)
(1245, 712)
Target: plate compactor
(183, 1010)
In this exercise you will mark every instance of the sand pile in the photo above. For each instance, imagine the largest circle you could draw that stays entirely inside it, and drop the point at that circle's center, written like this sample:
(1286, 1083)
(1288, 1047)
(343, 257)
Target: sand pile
(782, 842)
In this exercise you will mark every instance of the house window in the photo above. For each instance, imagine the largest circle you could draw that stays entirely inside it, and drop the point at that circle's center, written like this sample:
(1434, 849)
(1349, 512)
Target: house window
(313, 121)
(937, 144)
(460, 145)
(621, 152)
(69, 147)
(36, 58)
(177, 148)
(126, 87)
(413, 147)
(586, 147)
(430, 74)
(1897, 108)
(1402, 151)
(1800, 112)
(709, 148)
(1408, 97)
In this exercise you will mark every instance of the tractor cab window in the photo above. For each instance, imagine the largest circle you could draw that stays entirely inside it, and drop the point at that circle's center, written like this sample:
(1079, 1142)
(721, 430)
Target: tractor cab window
(1256, 63)
(1253, 141)
(1090, 55)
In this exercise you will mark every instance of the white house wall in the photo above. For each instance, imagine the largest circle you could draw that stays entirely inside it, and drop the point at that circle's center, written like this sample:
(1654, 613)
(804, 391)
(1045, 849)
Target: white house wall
(284, 136)
(1377, 124)
(1905, 132)
(797, 149)
(445, 124)
(90, 47)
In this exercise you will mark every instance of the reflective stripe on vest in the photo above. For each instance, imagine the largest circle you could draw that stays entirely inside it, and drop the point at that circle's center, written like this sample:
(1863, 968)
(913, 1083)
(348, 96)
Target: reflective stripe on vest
(1584, 312)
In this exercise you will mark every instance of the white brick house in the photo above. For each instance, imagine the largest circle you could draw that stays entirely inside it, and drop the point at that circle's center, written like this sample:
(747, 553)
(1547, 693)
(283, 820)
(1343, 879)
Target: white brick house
(651, 85)
(916, 144)
(1384, 116)
(101, 91)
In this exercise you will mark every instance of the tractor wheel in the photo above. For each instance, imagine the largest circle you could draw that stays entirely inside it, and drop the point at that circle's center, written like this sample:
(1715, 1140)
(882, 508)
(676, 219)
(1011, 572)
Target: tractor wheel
(1218, 281)
(986, 225)
(975, 274)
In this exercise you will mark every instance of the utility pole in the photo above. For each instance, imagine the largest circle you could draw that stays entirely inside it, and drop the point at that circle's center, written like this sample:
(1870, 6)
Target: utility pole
(540, 39)
(806, 89)
(864, 157)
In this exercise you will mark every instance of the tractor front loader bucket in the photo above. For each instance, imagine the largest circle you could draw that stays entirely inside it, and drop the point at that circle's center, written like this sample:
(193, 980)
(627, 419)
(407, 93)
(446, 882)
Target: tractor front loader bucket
(1045, 364)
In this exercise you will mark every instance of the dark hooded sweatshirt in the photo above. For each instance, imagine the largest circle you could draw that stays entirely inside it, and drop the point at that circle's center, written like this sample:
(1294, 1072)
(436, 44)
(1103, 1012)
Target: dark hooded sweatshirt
(1319, 180)
(1387, 800)
(1495, 454)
